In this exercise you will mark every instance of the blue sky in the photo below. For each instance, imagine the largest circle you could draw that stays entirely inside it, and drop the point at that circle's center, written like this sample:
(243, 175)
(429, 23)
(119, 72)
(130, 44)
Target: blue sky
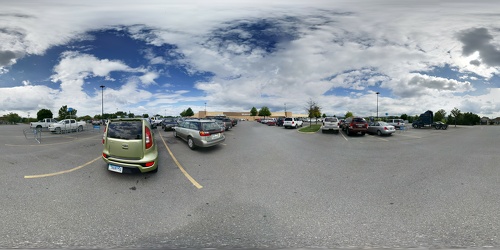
(161, 57)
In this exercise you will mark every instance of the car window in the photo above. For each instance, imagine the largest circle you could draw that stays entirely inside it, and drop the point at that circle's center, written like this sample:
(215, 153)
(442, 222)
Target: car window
(127, 130)
(288, 119)
(193, 125)
(330, 119)
(206, 126)
(358, 120)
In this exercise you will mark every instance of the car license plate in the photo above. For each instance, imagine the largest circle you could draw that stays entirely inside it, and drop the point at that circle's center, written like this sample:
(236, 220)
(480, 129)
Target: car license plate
(215, 136)
(115, 168)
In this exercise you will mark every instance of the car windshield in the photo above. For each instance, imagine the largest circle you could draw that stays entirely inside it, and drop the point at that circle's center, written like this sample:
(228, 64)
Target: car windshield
(358, 120)
(207, 126)
(331, 120)
(127, 130)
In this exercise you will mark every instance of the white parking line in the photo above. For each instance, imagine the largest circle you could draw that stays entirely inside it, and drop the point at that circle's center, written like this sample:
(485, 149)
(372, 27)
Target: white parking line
(343, 135)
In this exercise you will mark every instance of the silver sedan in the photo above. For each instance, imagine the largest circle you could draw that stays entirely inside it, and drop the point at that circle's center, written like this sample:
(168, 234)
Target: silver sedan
(381, 128)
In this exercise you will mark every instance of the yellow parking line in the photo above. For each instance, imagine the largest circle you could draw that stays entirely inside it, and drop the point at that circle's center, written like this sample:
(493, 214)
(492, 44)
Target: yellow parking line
(61, 172)
(191, 179)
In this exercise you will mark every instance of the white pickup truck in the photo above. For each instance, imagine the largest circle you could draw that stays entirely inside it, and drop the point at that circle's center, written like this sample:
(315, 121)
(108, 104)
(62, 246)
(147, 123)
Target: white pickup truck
(44, 123)
(66, 125)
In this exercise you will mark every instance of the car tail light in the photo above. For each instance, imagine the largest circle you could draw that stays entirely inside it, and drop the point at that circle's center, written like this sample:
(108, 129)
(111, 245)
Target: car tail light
(385, 128)
(366, 125)
(149, 164)
(149, 138)
(203, 133)
(293, 123)
(104, 155)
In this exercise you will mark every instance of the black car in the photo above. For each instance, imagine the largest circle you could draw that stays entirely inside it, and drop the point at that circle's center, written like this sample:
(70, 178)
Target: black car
(168, 124)
(279, 121)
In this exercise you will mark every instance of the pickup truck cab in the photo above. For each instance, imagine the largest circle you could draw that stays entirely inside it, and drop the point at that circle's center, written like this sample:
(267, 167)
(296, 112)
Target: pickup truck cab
(44, 123)
(66, 125)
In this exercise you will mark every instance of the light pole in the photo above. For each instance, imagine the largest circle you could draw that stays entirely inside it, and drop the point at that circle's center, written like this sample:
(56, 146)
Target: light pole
(102, 102)
(285, 109)
(377, 103)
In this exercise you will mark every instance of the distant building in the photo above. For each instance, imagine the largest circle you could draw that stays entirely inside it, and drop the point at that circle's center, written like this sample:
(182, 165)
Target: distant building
(243, 115)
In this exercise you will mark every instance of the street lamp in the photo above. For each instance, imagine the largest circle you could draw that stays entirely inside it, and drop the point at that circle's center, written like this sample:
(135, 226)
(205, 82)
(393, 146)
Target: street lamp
(285, 109)
(102, 102)
(377, 103)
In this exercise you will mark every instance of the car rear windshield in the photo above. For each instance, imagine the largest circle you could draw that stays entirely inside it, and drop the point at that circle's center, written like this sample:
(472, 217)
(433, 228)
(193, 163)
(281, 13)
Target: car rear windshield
(208, 126)
(358, 120)
(330, 119)
(127, 130)
(288, 119)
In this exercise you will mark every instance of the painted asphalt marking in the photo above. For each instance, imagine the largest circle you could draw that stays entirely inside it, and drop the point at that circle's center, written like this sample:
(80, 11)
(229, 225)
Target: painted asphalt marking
(61, 172)
(344, 136)
(191, 179)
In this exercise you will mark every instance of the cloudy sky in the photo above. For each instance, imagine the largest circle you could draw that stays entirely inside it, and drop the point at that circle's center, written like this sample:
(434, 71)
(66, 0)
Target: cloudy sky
(161, 57)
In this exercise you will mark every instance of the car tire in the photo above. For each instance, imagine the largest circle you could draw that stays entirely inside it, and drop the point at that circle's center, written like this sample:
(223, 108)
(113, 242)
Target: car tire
(362, 133)
(175, 134)
(347, 132)
(322, 131)
(190, 143)
(379, 133)
(415, 126)
(80, 128)
(154, 171)
(58, 130)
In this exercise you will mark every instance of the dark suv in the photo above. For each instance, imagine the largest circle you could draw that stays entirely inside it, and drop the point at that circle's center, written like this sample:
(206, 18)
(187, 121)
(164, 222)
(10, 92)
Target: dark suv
(354, 125)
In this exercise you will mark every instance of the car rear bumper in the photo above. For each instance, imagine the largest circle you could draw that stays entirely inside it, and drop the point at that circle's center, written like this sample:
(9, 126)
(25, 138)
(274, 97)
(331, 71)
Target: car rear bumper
(206, 144)
(330, 128)
(133, 166)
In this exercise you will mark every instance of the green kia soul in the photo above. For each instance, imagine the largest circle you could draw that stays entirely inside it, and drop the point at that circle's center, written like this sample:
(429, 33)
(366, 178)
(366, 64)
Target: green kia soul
(129, 146)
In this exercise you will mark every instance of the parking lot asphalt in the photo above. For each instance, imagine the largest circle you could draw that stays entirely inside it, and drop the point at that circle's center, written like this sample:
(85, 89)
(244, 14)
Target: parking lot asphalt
(264, 187)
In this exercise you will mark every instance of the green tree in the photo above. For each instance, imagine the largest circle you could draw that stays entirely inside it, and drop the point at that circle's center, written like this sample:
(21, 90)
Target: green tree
(12, 118)
(131, 115)
(313, 110)
(264, 111)
(470, 119)
(43, 113)
(348, 114)
(85, 118)
(404, 117)
(64, 113)
(145, 116)
(439, 115)
(324, 115)
(183, 113)
(253, 111)
(189, 112)
(456, 115)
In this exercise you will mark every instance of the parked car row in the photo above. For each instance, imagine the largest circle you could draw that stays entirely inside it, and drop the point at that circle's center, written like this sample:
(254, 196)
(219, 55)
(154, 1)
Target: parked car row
(351, 125)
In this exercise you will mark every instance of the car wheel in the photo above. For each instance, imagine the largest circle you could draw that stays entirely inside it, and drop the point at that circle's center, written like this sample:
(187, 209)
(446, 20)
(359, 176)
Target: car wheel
(175, 134)
(347, 132)
(80, 128)
(415, 126)
(154, 171)
(58, 130)
(322, 131)
(362, 133)
(378, 132)
(191, 143)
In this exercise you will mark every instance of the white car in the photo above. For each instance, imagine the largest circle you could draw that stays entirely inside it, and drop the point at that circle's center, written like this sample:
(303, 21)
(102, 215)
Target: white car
(291, 122)
(330, 124)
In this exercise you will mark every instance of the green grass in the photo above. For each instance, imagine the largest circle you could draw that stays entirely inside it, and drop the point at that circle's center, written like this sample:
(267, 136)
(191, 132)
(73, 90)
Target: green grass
(312, 128)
